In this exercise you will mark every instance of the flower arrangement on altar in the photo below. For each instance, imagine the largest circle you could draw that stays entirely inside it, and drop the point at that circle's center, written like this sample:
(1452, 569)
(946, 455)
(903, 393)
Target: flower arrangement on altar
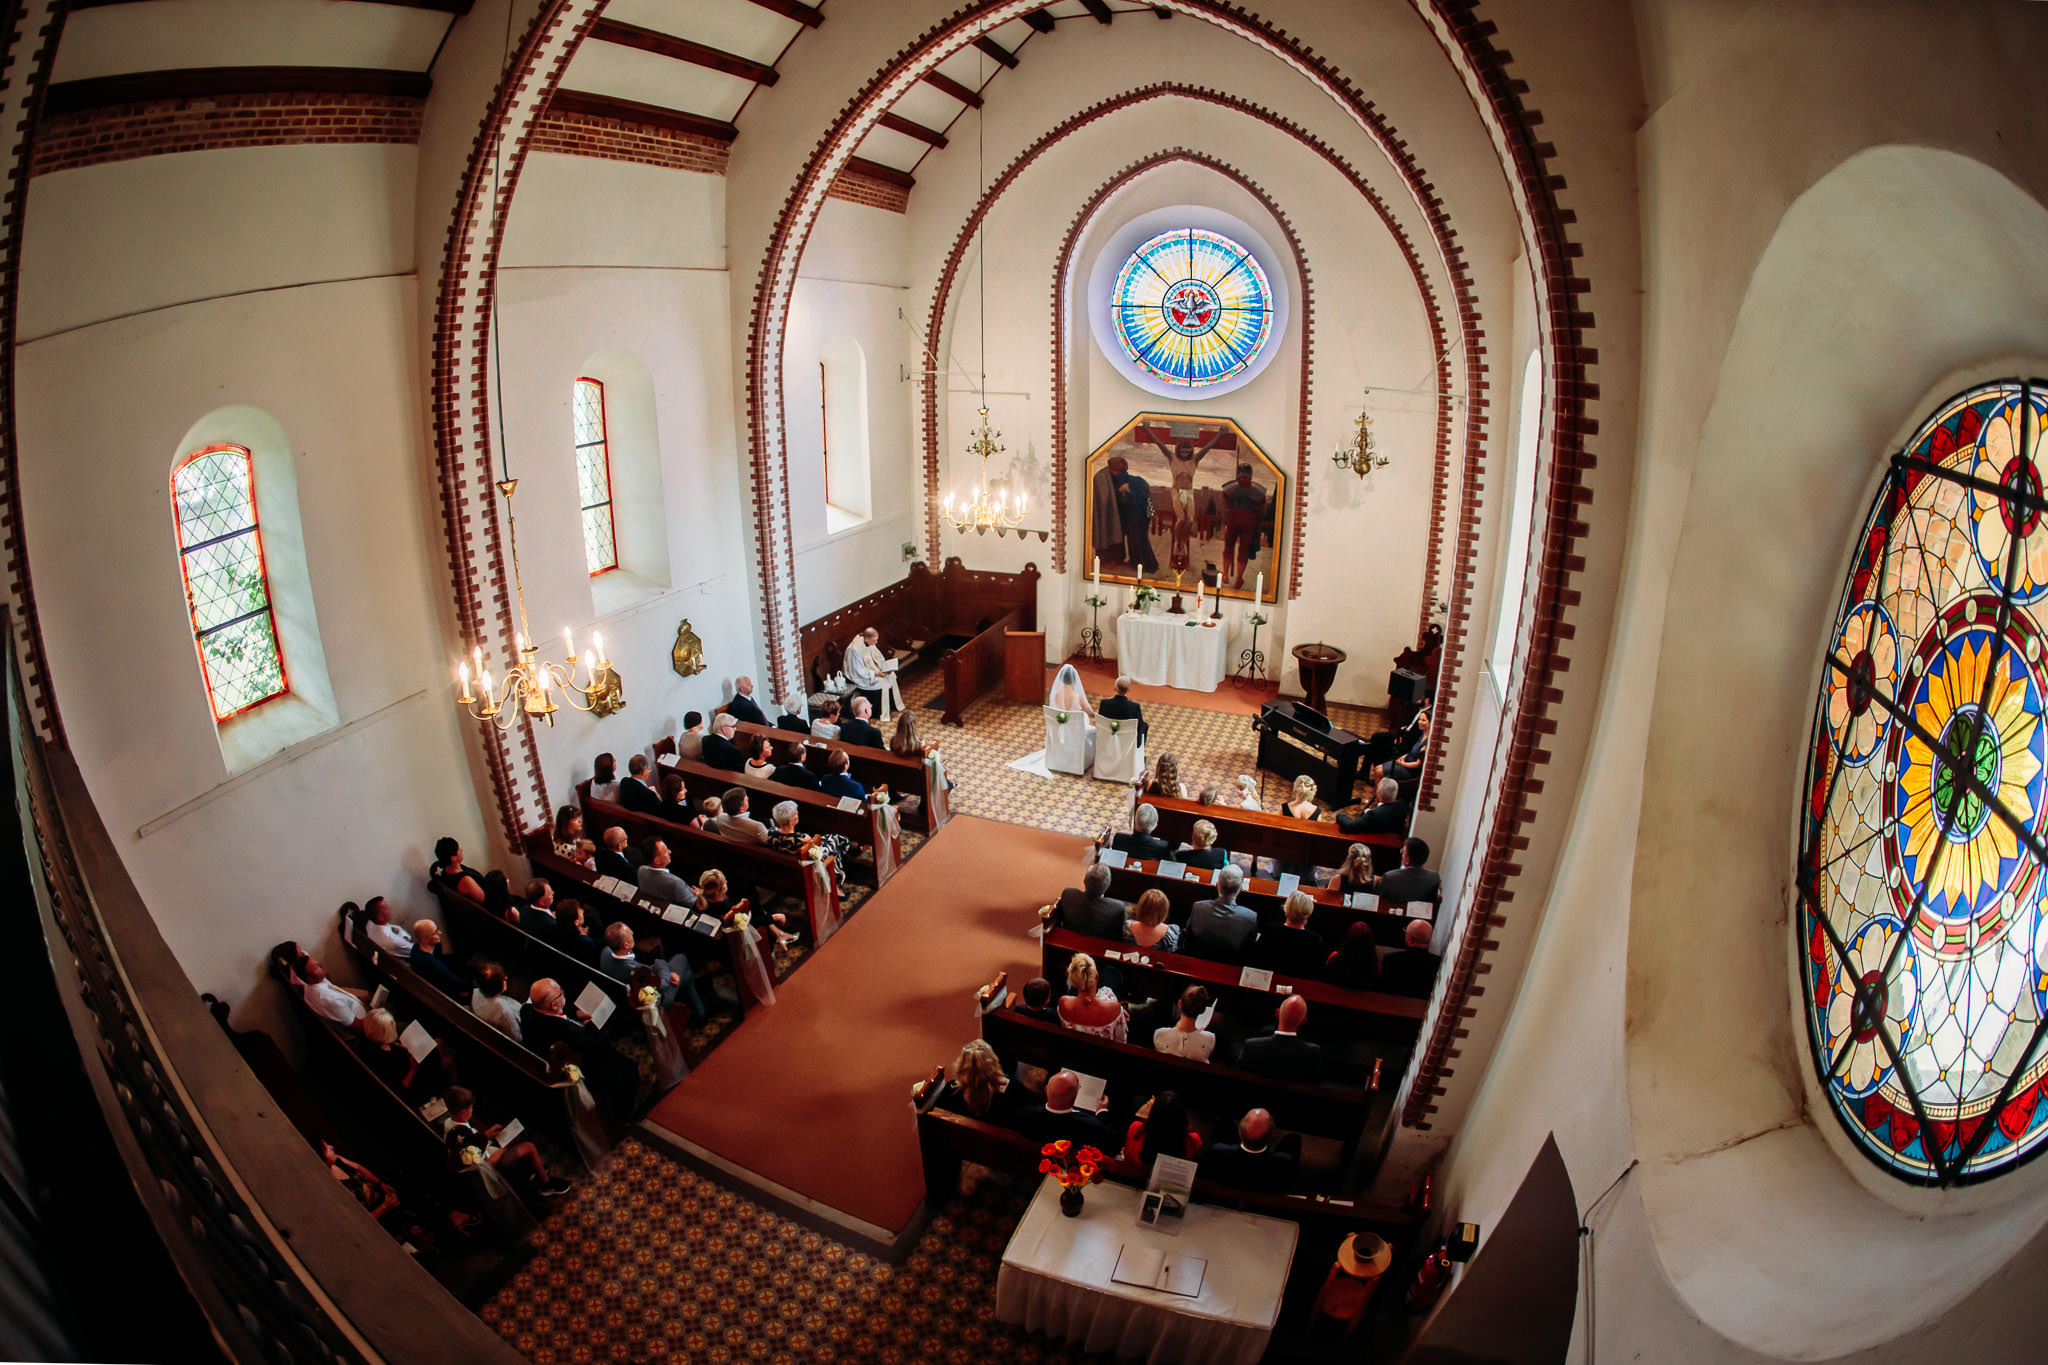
(1074, 1167)
(1144, 597)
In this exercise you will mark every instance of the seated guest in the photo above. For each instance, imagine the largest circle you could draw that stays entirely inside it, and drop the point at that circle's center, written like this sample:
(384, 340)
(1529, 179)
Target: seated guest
(429, 961)
(344, 1005)
(1147, 926)
(379, 929)
(604, 779)
(1411, 881)
(793, 718)
(498, 897)
(714, 898)
(719, 749)
(1356, 874)
(612, 860)
(1219, 928)
(1121, 707)
(838, 779)
(1252, 1163)
(675, 798)
(572, 936)
(1201, 850)
(586, 854)
(743, 706)
(733, 821)
(1141, 842)
(380, 1051)
(673, 977)
(1057, 1118)
(1161, 1129)
(568, 829)
(448, 868)
(658, 884)
(707, 814)
(1208, 797)
(636, 793)
(858, 729)
(1036, 1002)
(760, 752)
(690, 739)
(546, 1019)
(1090, 909)
(1283, 1054)
(1406, 765)
(521, 1157)
(1356, 964)
(826, 708)
(1411, 970)
(791, 772)
(1292, 949)
(537, 916)
(1093, 1007)
(1388, 813)
(980, 1089)
(1246, 797)
(1301, 804)
(1165, 779)
(1187, 1038)
(784, 838)
(904, 741)
(1382, 747)
(489, 1002)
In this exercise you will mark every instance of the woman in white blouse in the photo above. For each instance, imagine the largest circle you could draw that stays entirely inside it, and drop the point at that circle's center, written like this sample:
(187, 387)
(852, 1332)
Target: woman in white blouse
(1187, 1038)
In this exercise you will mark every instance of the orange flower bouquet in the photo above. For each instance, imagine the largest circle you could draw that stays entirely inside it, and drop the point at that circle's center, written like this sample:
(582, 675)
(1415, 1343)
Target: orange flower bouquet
(1074, 1167)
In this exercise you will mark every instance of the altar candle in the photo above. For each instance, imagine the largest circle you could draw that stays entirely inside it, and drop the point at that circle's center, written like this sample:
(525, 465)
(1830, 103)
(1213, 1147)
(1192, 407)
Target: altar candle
(1098, 575)
(1259, 592)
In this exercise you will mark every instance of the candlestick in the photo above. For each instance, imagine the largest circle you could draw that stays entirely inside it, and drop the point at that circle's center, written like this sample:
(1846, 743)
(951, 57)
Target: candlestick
(1259, 589)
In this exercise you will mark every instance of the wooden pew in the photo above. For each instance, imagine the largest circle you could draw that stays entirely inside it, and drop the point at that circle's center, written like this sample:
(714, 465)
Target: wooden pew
(817, 813)
(917, 611)
(749, 867)
(1332, 918)
(476, 931)
(1133, 1072)
(869, 766)
(1334, 1012)
(1316, 843)
(976, 666)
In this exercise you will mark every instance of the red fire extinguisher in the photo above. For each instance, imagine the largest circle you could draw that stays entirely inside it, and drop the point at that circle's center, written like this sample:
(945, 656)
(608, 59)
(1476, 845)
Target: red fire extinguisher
(1429, 1282)
(1420, 1195)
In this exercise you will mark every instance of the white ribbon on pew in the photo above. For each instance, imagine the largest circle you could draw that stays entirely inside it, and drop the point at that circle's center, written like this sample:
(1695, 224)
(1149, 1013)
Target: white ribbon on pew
(755, 969)
(821, 899)
(504, 1209)
(669, 1064)
(888, 840)
(938, 801)
(593, 1143)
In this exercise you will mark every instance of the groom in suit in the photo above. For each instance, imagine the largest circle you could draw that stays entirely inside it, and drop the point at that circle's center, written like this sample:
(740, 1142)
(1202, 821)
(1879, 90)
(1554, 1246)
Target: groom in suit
(1121, 707)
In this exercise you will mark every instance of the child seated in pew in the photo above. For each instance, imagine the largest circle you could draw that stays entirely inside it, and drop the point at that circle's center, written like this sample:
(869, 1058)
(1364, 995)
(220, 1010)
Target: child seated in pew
(471, 1143)
(1036, 1002)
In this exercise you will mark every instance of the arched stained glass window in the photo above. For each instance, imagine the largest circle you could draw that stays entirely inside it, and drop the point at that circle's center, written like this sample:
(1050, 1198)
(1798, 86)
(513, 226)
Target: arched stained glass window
(1923, 944)
(594, 479)
(220, 548)
(1192, 307)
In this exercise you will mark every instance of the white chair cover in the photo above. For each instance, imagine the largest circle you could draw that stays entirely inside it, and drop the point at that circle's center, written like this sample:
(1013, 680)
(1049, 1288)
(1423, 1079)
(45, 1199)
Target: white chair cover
(888, 840)
(938, 806)
(821, 899)
(1069, 744)
(1119, 755)
(593, 1142)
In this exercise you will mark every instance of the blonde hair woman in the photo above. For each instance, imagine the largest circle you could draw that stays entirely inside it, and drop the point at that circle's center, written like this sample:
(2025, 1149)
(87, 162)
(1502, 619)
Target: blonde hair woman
(1302, 804)
(1201, 850)
(1356, 874)
(1147, 926)
(980, 1088)
(1093, 1007)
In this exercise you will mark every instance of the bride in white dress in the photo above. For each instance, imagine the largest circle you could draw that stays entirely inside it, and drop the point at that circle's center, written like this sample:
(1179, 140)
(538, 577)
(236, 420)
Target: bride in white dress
(1067, 693)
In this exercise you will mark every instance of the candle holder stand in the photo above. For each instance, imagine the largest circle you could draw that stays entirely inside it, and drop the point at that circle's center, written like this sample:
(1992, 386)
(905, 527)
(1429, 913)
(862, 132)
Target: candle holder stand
(1091, 638)
(1251, 664)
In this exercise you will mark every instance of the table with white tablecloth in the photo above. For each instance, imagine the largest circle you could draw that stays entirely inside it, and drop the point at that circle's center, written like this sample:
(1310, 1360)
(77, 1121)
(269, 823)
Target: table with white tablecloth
(1172, 651)
(1055, 1279)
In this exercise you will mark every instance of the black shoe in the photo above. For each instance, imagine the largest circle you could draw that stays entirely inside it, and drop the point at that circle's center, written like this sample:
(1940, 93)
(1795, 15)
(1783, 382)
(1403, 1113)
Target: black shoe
(555, 1188)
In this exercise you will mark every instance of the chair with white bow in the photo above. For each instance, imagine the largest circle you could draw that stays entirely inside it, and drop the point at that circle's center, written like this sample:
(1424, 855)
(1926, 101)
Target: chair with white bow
(1069, 741)
(1119, 753)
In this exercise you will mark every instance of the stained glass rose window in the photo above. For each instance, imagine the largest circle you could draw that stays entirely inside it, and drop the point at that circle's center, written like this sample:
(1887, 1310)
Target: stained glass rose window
(1923, 944)
(1192, 307)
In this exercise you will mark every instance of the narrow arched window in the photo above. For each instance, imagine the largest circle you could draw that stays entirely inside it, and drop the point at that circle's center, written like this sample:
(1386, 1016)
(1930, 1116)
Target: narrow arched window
(1514, 575)
(594, 479)
(843, 413)
(220, 547)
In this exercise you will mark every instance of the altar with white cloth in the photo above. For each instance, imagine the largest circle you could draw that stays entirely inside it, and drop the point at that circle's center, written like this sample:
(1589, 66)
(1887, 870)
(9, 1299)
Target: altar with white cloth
(1172, 651)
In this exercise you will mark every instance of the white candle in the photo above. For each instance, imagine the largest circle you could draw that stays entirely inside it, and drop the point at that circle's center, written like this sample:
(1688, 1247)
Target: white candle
(597, 643)
(1259, 591)
(1098, 575)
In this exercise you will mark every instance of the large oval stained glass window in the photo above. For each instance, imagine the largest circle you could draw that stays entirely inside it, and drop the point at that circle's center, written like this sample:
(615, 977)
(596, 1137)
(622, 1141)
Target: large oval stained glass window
(1924, 947)
(1192, 307)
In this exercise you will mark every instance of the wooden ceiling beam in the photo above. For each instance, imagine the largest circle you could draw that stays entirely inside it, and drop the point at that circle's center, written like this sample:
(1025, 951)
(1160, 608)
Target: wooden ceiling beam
(1101, 10)
(1040, 20)
(900, 124)
(952, 87)
(996, 50)
(682, 50)
(100, 92)
(633, 111)
(875, 170)
(807, 15)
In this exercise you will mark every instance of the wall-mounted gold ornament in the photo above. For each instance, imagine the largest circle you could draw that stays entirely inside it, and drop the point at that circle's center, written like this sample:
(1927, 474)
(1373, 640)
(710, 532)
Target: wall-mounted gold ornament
(688, 655)
(607, 693)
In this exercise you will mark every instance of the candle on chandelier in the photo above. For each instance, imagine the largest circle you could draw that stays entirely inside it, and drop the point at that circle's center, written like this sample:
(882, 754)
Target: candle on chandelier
(568, 644)
(462, 672)
(597, 642)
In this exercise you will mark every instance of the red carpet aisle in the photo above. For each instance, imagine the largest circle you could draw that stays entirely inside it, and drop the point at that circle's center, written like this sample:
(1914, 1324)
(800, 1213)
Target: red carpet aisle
(814, 1093)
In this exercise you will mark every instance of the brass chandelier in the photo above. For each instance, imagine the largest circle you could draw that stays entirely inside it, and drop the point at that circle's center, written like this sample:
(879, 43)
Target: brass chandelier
(1361, 456)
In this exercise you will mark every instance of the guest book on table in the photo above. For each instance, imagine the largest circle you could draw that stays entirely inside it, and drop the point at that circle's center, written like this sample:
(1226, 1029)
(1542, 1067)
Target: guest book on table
(1150, 1268)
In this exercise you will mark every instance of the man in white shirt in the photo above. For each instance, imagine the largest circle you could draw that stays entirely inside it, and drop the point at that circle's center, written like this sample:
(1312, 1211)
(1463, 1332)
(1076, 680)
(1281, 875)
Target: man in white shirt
(659, 884)
(343, 1005)
(873, 672)
(489, 1002)
(392, 938)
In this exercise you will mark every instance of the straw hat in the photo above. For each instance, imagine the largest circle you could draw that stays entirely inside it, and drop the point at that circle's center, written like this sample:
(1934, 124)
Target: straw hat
(1365, 1255)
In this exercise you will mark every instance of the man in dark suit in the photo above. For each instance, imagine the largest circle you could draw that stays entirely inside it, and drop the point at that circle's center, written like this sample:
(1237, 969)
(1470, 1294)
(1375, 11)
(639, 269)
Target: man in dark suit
(859, 729)
(1411, 970)
(1388, 814)
(1292, 948)
(838, 781)
(672, 978)
(1252, 1163)
(543, 1022)
(1141, 842)
(1057, 1118)
(429, 961)
(1121, 707)
(573, 936)
(792, 718)
(1283, 1054)
(537, 914)
(719, 750)
(743, 706)
(1219, 928)
(636, 792)
(611, 857)
(1411, 881)
(790, 770)
(1090, 909)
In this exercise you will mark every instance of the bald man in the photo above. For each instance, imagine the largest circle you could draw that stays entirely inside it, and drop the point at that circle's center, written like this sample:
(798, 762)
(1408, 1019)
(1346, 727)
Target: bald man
(1283, 1054)
(1411, 970)
(547, 1018)
(743, 706)
(1058, 1118)
(1254, 1162)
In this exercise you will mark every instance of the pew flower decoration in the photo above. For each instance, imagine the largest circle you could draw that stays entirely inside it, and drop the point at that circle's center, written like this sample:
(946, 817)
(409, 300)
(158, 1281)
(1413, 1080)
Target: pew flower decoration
(1116, 727)
(649, 997)
(1074, 1167)
(573, 1072)
(741, 921)
(471, 1156)
(811, 850)
(1061, 716)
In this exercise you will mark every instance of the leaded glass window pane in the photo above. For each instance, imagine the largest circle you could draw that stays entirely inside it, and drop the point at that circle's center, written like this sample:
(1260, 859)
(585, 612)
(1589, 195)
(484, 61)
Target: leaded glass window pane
(227, 587)
(1923, 942)
(1192, 307)
(594, 478)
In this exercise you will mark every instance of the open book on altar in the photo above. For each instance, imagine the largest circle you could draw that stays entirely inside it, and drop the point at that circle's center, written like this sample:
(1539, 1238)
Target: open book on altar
(1150, 1268)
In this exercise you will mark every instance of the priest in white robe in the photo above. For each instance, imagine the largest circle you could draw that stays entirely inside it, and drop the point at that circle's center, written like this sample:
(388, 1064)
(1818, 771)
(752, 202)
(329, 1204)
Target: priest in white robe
(873, 673)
